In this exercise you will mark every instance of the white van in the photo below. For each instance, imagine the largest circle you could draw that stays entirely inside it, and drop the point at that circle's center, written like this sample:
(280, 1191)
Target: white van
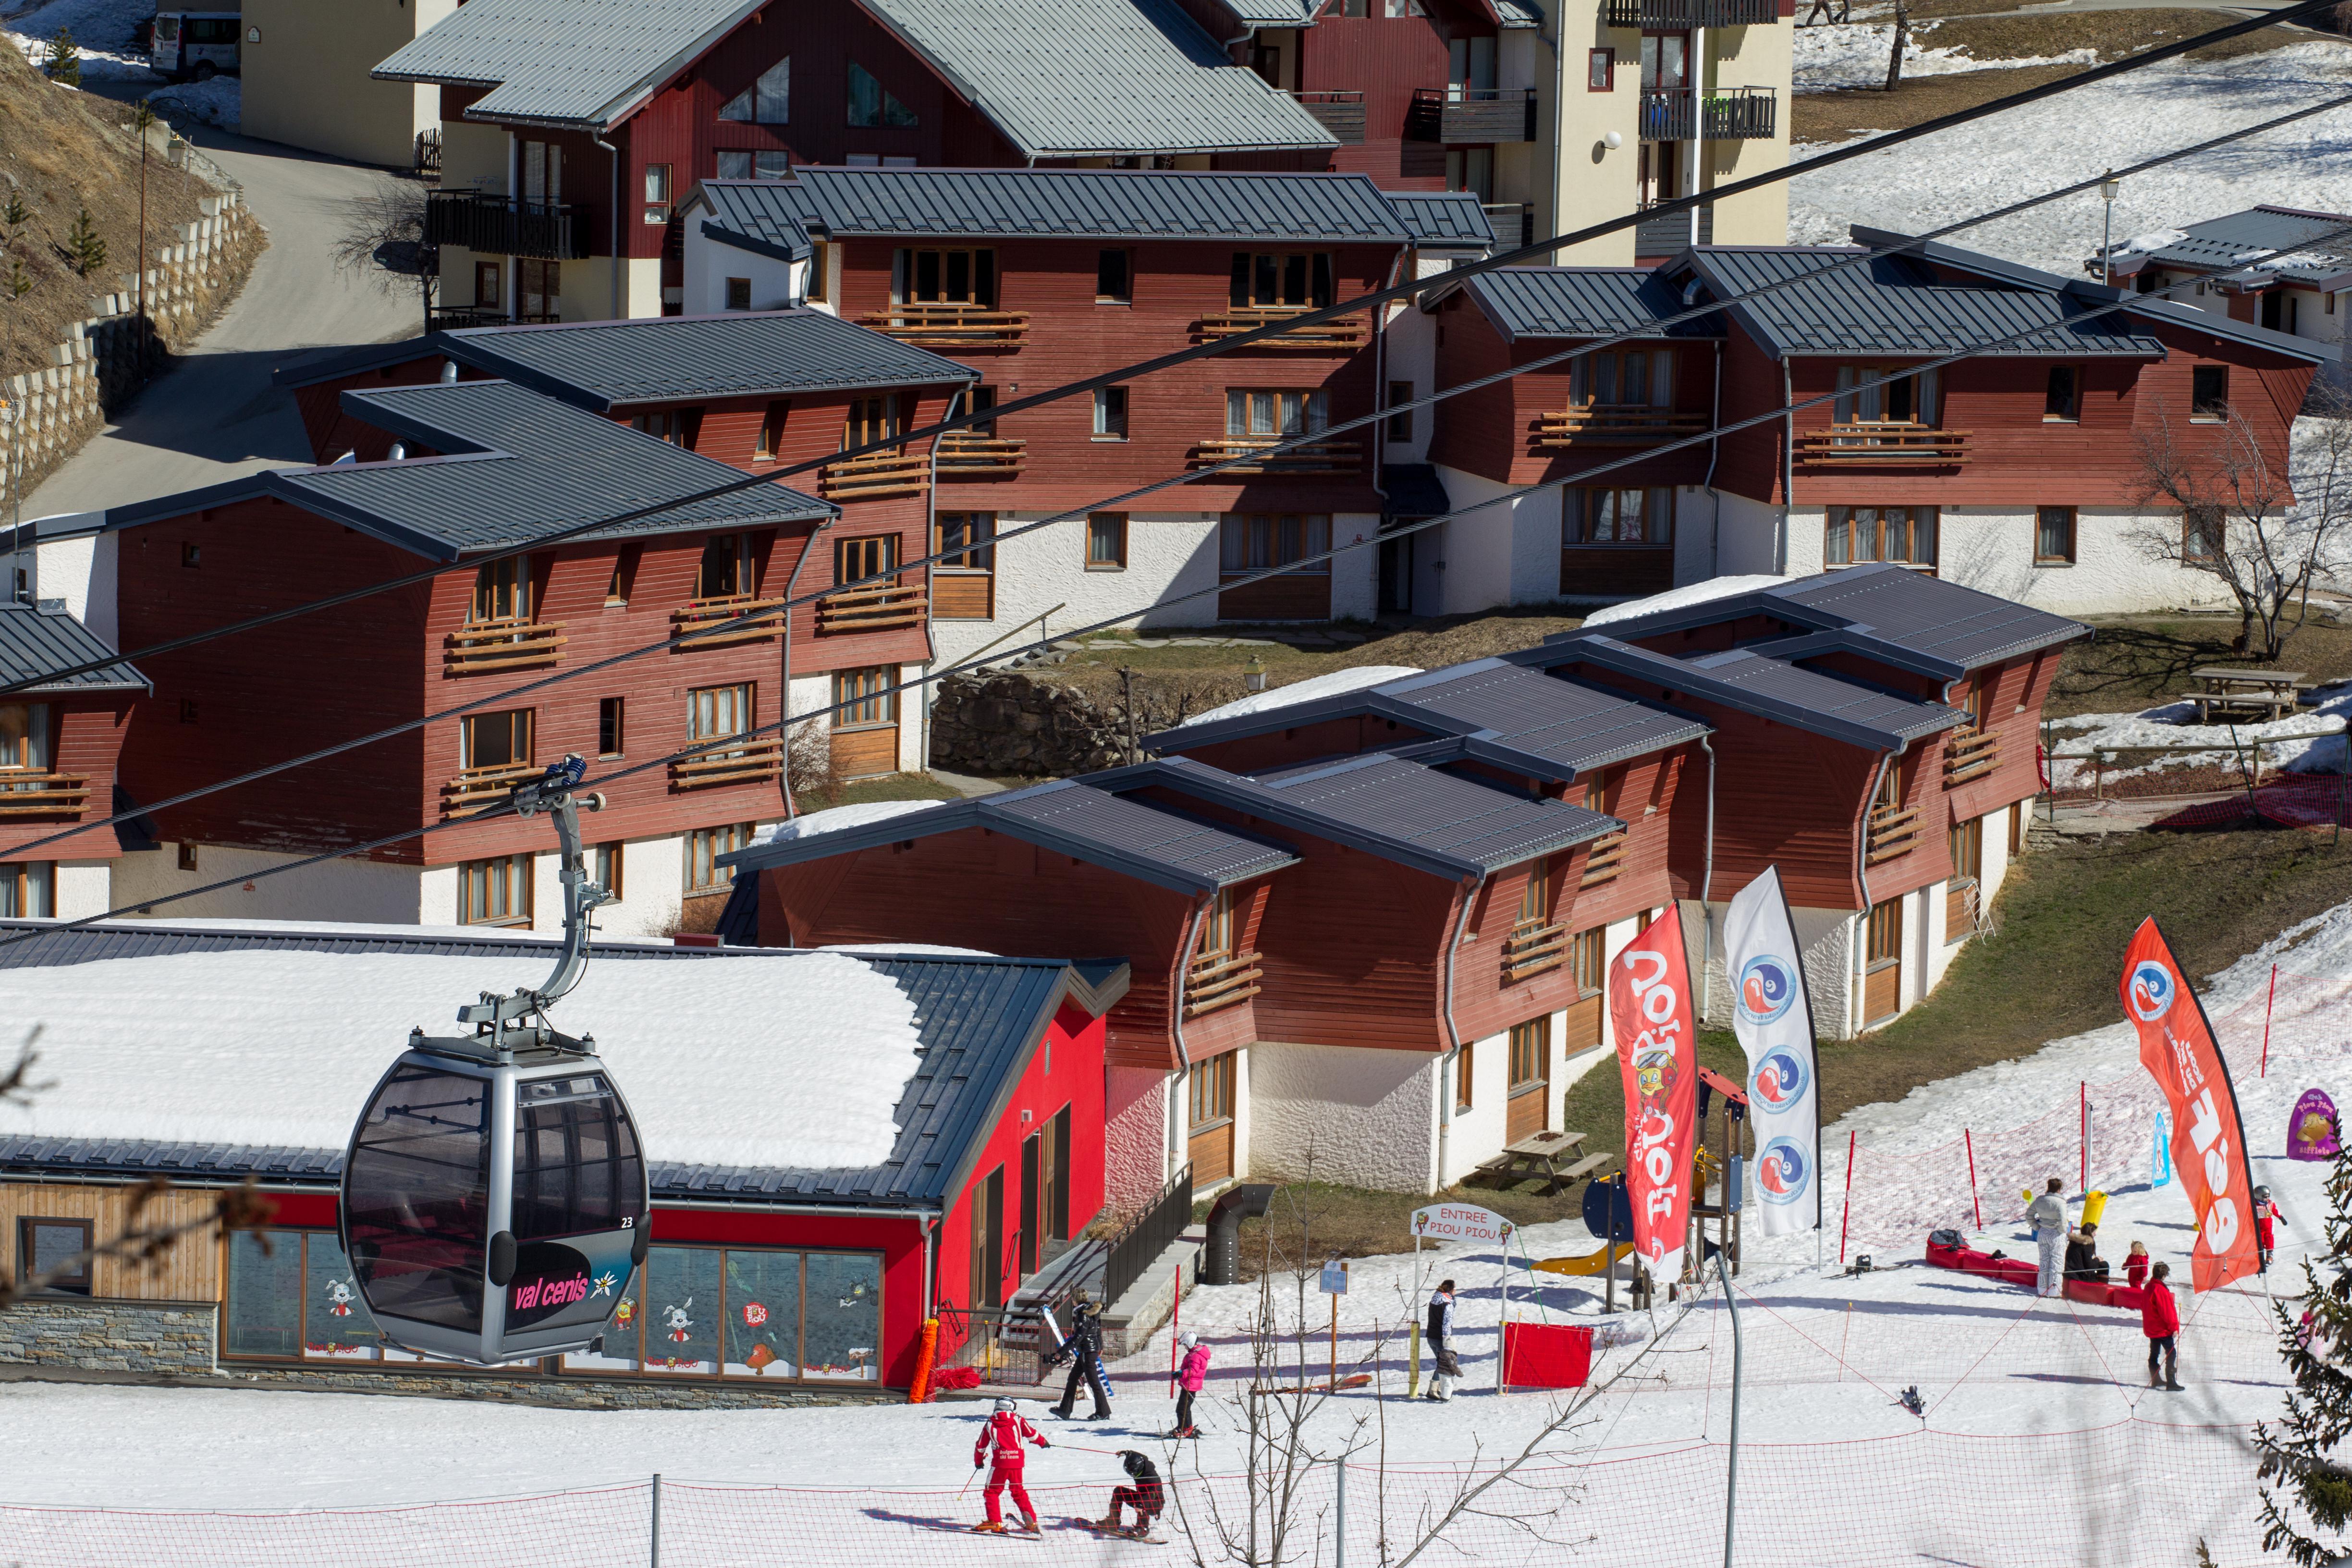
(198, 44)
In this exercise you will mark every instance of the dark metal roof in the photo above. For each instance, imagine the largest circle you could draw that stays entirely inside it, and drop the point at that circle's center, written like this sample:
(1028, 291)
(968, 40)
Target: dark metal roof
(1749, 682)
(1895, 305)
(1444, 220)
(2224, 244)
(519, 466)
(1084, 203)
(1415, 490)
(564, 62)
(1445, 824)
(1067, 815)
(36, 639)
(662, 359)
(978, 1019)
(768, 218)
(1509, 715)
(1581, 302)
(1910, 619)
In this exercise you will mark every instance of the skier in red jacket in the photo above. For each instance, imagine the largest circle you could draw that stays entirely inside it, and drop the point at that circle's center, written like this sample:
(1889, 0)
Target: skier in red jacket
(2159, 1318)
(1001, 1440)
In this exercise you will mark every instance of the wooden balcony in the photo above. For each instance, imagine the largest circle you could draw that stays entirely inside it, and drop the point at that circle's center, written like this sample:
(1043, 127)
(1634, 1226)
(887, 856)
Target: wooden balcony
(1341, 113)
(874, 477)
(1605, 424)
(951, 326)
(1327, 458)
(878, 607)
(512, 643)
(502, 226)
(1340, 334)
(1882, 444)
(24, 793)
(965, 455)
(1681, 16)
(484, 786)
(1219, 980)
(1894, 830)
(1471, 116)
(1970, 754)
(1604, 861)
(750, 762)
(1727, 115)
(1530, 949)
(701, 613)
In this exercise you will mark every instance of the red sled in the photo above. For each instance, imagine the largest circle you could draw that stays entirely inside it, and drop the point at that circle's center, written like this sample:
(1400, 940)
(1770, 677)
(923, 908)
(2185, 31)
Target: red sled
(1967, 1261)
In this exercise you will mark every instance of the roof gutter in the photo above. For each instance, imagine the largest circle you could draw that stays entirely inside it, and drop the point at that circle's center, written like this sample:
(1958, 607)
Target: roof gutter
(1176, 1017)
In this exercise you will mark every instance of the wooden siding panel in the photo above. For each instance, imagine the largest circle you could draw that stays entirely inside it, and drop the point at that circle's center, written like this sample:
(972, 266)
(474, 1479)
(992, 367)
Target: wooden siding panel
(189, 1271)
(87, 735)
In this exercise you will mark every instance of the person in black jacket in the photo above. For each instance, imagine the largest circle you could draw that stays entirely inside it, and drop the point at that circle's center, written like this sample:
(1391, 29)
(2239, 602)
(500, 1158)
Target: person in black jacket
(1439, 1331)
(2083, 1259)
(1083, 1347)
(1146, 1497)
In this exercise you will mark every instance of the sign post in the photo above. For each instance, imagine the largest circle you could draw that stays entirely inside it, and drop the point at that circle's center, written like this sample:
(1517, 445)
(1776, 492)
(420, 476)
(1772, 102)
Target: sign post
(1464, 1222)
(1335, 1285)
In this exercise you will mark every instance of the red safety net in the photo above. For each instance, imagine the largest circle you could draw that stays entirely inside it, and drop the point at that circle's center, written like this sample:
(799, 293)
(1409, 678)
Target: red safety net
(2288, 800)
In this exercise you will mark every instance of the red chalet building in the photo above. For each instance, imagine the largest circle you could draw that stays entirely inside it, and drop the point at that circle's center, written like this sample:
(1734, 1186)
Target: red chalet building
(59, 743)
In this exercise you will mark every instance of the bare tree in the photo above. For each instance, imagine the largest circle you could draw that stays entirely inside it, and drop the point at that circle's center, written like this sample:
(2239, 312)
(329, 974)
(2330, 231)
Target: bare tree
(1902, 38)
(383, 240)
(2268, 532)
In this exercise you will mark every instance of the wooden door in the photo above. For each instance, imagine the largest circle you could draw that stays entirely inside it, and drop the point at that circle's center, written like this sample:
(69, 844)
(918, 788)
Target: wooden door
(1032, 1225)
(1211, 1144)
(1528, 1108)
(988, 1241)
(1882, 986)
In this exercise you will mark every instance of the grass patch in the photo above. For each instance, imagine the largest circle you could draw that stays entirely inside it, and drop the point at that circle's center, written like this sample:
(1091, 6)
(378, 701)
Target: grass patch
(890, 786)
(2140, 662)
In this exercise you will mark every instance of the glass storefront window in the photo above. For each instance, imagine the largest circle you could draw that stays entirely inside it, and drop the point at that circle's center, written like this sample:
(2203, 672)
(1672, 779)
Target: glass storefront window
(265, 1293)
(682, 1297)
(763, 1308)
(842, 1325)
(336, 1325)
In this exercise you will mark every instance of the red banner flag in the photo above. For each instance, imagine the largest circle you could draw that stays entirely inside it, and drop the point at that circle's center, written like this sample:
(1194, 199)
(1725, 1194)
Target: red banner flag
(2208, 1140)
(1649, 1007)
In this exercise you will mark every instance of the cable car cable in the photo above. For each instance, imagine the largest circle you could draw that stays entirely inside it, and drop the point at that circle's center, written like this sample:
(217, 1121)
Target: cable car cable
(718, 628)
(725, 743)
(1314, 317)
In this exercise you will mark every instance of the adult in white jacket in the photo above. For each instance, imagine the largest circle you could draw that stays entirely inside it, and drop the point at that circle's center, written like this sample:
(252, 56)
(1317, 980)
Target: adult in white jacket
(2048, 1215)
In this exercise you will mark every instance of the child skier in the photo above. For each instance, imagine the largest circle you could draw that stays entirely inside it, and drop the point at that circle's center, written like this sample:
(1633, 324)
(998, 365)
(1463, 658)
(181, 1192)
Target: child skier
(1439, 1331)
(2135, 1265)
(1145, 1497)
(2159, 1318)
(1001, 1440)
(2265, 1213)
(1190, 1376)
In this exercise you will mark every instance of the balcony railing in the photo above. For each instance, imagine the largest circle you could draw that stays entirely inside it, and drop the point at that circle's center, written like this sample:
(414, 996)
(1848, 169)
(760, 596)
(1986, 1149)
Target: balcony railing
(1341, 113)
(750, 762)
(711, 611)
(1217, 980)
(1315, 458)
(480, 786)
(951, 326)
(1884, 444)
(43, 794)
(502, 226)
(1731, 113)
(1681, 16)
(1605, 425)
(871, 609)
(450, 317)
(1604, 861)
(1531, 950)
(1341, 333)
(1671, 232)
(1471, 115)
(1893, 831)
(1970, 754)
(874, 477)
(965, 455)
(1513, 222)
(508, 643)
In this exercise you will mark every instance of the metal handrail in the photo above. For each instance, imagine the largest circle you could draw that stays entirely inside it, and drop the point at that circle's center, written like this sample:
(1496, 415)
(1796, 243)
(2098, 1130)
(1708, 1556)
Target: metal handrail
(1160, 1227)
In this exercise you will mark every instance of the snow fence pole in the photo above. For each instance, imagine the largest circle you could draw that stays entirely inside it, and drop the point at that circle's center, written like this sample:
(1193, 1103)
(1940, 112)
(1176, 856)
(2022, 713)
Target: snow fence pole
(2267, 1008)
(1339, 1510)
(654, 1559)
(1844, 1215)
(1968, 1139)
(1731, 1483)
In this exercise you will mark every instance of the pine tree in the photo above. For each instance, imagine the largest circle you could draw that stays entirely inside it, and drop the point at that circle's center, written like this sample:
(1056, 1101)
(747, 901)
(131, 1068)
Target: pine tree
(84, 244)
(2298, 1451)
(18, 282)
(64, 63)
(15, 215)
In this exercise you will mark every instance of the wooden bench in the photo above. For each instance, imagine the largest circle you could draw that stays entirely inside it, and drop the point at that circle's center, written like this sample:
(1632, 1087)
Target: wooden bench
(1537, 1154)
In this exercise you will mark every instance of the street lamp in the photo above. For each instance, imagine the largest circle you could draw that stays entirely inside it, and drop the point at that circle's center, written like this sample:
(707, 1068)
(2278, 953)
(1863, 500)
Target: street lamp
(2108, 190)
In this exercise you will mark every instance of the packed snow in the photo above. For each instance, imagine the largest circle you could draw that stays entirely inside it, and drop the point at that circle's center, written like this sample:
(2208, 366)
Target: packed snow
(810, 824)
(282, 1047)
(1833, 55)
(220, 101)
(1336, 684)
(1683, 598)
(103, 32)
(2314, 740)
(2076, 135)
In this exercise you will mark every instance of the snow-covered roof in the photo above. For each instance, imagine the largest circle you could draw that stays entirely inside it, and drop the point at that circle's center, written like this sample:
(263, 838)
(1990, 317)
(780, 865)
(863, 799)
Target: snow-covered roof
(2231, 241)
(1337, 683)
(1684, 597)
(824, 1074)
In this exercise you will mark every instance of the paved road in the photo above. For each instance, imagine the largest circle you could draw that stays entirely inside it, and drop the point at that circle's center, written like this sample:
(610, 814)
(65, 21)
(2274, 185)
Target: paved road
(216, 416)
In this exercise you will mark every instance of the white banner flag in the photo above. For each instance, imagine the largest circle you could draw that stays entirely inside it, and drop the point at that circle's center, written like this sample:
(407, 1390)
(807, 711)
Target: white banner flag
(1773, 1017)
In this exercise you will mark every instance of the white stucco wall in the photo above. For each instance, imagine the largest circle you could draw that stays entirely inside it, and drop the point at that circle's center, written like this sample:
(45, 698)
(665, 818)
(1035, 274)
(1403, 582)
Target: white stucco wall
(1135, 1138)
(1746, 538)
(81, 571)
(1367, 1117)
(83, 888)
(1470, 557)
(1991, 549)
(1168, 554)
(709, 263)
(348, 889)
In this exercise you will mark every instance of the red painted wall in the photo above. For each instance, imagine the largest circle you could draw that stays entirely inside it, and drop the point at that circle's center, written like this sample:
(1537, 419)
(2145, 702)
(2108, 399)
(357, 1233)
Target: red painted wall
(86, 736)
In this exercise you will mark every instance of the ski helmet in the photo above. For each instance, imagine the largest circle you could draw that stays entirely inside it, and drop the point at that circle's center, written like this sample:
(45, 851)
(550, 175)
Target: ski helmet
(1006, 1405)
(1132, 1462)
(2261, 1195)
(1188, 1339)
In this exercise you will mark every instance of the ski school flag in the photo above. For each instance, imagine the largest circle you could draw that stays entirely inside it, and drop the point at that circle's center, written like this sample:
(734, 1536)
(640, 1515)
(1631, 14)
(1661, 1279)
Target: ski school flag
(2209, 1140)
(1650, 1010)
(1774, 1020)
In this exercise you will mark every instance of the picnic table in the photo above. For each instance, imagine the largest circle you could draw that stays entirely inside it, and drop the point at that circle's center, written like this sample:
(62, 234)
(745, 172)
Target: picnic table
(2233, 689)
(1541, 1154)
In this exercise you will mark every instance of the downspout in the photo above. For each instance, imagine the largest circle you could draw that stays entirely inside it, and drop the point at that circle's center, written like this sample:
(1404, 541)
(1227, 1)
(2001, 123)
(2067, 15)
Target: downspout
(1862, 875)
(1698, 127)
(615, 226)
(792, 807)
(1706, 889)
(1380, 391)
(1183, 1055)
(1788, 466)
(1559, 102)
(1453, 1034)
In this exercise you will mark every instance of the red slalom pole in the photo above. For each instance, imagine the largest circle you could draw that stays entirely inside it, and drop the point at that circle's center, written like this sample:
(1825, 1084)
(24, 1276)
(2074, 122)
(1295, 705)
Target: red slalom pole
(1970, 1140)
(2267, 1007)
(1846, 1215)
(1176, 1332)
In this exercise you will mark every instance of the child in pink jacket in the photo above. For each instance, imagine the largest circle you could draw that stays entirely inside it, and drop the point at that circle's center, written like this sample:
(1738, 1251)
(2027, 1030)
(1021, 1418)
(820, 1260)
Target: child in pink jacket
(1190, 1374)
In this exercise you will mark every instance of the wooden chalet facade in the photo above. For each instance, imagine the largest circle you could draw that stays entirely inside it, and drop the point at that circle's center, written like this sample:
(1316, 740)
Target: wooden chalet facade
(61, 745)
(2299, 293)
